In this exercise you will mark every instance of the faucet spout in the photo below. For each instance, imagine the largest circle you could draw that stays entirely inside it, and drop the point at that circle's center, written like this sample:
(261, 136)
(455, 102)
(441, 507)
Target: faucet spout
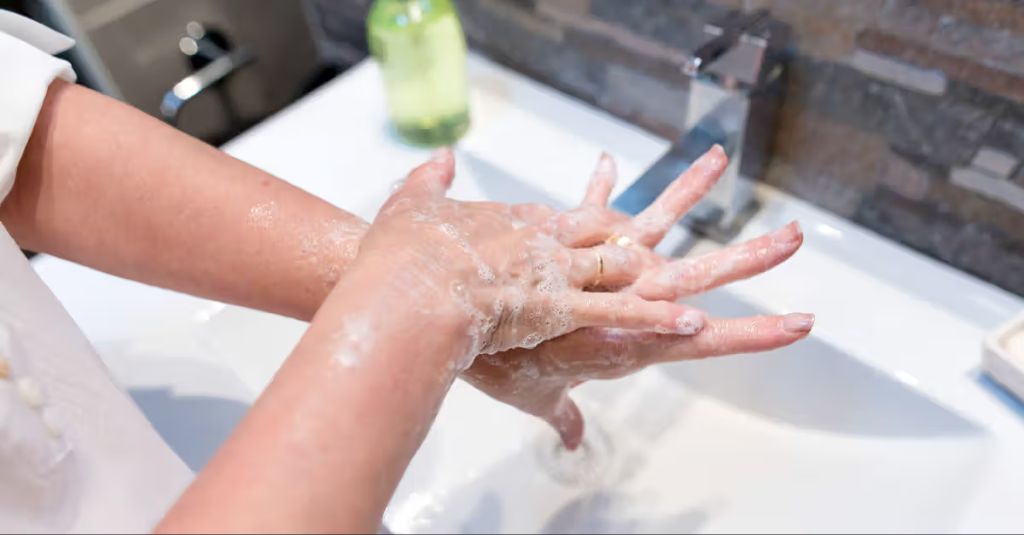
(733, 99)
(715, 128)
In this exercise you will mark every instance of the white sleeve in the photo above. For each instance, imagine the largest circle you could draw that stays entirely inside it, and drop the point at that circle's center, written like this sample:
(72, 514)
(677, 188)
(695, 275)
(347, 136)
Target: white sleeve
(26, 70)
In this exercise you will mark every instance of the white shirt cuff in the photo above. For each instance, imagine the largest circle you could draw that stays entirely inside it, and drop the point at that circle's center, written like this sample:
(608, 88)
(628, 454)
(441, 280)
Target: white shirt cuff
(25, 75)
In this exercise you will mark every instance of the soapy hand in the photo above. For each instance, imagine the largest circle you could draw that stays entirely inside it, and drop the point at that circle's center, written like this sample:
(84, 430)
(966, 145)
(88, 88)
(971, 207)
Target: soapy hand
(502, 273)
(538, 380)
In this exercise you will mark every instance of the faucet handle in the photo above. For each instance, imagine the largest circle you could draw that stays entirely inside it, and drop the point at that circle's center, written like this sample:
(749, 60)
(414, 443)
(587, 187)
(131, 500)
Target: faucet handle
(738, 54)
(727, 37)
(213, 59)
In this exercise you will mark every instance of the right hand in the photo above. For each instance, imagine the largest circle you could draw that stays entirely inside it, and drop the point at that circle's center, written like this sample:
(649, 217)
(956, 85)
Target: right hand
(509, 280)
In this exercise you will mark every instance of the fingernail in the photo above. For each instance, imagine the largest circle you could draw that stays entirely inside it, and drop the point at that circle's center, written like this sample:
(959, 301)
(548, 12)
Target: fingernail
(690, 322)
(715, 157)
(798, 323)
(441, 156)
(792, 232)
(606, 165)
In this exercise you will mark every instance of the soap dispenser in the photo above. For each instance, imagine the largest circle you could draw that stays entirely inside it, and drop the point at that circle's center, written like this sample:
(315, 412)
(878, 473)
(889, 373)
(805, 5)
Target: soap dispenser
(421, 51)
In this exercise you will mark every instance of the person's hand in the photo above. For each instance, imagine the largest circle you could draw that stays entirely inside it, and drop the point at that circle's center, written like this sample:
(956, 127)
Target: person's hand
(538, 380)
(506, 277)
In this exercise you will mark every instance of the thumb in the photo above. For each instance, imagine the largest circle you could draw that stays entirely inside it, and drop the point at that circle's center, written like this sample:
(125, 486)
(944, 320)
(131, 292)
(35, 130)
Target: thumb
(432, 177)
(568, 422)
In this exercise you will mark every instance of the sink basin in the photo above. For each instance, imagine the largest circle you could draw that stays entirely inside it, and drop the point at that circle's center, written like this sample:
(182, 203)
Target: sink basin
(877, 422)
(801, 439)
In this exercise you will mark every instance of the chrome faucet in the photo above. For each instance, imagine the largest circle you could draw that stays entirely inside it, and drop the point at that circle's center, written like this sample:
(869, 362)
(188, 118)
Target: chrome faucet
(213, 59)
(736, 82)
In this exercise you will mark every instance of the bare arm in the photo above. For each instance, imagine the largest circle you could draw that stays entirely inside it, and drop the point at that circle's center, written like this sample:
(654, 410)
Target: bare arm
(324, 447)
(107, 186)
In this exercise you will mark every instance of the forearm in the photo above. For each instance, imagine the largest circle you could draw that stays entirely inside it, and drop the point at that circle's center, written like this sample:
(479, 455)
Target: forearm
(105, 185)
(326, 444)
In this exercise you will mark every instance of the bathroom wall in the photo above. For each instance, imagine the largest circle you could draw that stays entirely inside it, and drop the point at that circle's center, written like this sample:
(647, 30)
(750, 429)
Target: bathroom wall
(906, 116)
(133, 48)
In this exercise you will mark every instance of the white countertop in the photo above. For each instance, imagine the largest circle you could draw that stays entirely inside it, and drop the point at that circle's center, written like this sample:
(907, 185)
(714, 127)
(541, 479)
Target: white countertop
(915, 319)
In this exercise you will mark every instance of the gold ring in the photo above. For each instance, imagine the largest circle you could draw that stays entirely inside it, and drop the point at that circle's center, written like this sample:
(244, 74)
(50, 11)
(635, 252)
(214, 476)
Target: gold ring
(600, 268)
(620, 241)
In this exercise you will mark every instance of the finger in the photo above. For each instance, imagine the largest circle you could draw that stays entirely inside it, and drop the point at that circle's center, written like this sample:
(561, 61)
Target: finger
(533, 213)
(596, 353)
(729, 336)
(614, 353)
(431, 178)
(491, 206)
(587, 225)
(651, 225)
(568, 422)
(602, 182)
(691, 276)
(605, 266)
(627, 311)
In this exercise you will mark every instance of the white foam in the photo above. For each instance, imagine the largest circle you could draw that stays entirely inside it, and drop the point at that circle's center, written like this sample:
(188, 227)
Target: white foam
(262, 215)
(483, 271)
(353, 341)
(329, 245)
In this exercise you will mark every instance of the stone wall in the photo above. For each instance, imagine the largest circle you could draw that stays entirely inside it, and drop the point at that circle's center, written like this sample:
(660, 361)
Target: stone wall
(906, 116)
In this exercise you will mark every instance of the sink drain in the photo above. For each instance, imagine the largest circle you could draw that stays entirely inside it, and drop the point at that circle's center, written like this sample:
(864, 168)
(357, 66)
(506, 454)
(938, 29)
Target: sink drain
(589, 464)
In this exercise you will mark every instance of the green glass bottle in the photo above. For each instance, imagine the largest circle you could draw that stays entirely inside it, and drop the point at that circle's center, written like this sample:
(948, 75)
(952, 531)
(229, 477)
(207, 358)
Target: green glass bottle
(421, 51)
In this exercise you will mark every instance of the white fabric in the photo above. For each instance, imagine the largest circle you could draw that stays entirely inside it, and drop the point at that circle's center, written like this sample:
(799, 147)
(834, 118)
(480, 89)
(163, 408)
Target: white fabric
(35, 34)
(76, 455)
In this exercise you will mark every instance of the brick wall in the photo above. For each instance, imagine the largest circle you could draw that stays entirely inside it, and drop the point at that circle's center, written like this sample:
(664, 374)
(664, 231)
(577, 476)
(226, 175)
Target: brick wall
(906, 116)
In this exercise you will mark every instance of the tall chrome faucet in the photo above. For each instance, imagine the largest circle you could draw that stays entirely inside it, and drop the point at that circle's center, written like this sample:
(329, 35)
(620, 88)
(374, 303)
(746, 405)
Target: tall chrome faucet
(735, 89)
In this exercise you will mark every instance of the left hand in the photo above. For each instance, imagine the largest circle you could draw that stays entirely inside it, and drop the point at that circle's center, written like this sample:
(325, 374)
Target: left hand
(504, 281)
(538, 380)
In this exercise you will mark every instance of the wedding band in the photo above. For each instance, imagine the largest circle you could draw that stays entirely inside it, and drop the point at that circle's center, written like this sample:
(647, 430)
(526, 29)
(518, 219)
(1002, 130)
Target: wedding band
(600, 268)
(620, 241)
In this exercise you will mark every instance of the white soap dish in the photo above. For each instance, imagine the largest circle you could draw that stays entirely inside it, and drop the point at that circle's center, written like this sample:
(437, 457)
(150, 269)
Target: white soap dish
(1003, 359)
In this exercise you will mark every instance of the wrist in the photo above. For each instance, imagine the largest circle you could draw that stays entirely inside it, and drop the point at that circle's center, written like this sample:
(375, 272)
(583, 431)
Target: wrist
(336, 246)
(403, 308)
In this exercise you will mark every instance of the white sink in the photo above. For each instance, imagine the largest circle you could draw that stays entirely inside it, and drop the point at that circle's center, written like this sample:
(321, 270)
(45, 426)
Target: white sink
(878, 422)
(803, 439)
